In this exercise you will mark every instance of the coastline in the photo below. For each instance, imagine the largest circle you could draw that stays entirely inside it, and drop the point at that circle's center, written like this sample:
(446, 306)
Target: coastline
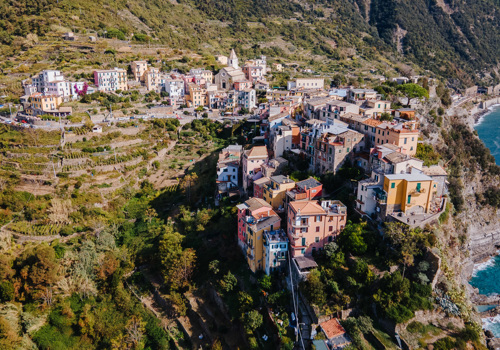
(479, 116)
(486, 107)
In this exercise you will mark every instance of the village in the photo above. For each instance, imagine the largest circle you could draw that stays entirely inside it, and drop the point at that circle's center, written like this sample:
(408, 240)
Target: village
(309, 127)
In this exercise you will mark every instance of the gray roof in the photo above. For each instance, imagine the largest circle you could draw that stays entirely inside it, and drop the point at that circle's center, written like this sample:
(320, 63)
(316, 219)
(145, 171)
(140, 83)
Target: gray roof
(409, 177)
(308, 183)
(305, 262)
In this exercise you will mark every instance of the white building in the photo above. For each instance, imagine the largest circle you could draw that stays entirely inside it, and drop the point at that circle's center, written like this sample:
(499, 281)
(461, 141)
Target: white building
(174, 88)
(281, 139)
(275, 250)
(306, 83)
(45, 77)
(228, 173)
(247, 98)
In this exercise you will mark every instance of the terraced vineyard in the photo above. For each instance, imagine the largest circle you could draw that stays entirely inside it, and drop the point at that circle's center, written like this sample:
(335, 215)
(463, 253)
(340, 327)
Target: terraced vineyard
(35, 229)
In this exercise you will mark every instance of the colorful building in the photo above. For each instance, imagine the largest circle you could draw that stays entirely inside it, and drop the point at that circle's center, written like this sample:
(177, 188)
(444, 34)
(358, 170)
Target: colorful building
(252, 161)
(255, 216)
(275, 191)
(408, 193)
(311, 225)
(275, 250)
(111, 79)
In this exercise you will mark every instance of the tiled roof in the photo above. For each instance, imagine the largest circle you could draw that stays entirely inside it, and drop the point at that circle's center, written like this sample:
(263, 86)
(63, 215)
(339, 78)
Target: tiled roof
(257, 152)
(256, 203)
(307, 207)
(372, 122)
(332, 328)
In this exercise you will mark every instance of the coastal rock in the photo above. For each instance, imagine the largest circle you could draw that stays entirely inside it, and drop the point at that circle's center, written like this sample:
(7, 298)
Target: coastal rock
(494, 344)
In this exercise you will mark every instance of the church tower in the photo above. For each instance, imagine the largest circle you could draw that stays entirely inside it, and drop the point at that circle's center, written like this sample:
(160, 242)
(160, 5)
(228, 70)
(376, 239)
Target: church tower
(233, 60)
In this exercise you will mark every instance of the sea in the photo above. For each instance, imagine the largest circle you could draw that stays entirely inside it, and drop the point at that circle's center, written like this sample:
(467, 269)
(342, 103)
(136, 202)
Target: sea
(486, 276)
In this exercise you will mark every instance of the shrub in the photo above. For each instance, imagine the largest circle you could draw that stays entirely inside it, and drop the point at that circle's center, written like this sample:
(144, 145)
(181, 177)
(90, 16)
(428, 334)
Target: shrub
(6, 291)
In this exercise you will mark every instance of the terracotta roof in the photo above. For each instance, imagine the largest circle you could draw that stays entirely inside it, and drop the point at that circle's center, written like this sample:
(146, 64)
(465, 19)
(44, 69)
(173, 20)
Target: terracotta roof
(372, 122)
(257, 152)
(256, 203)
(307, 207)
(332, 328)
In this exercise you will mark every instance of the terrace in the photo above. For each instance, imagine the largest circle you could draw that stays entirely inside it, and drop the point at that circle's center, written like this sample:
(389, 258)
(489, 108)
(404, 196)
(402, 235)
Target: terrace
(414, 219)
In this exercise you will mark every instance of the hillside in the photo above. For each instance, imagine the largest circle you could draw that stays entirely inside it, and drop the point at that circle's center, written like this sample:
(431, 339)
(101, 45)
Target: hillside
(452, 38)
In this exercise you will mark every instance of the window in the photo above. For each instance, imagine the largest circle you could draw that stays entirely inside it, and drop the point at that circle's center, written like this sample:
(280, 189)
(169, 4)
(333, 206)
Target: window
(348, 149)
(303, 251)
(303, 241)
(409, 199)
(393, 185)
(316, 239)
(330, 228)
(406, 140)
(317, 229)
(340, 150)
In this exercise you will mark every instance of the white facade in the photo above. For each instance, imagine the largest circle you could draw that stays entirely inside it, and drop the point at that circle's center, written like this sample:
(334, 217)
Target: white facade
(247, 98)
(306, 83)
(228, 173)
(281, 140)
(174, 87)
(275, 250)
(47, 76)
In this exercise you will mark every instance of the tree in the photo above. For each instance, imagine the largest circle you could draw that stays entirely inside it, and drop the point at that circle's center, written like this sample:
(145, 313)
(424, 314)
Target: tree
(266, 282)
(407, 239)
(39, 267)
(228, 282)
(411, 91)
(177, 264)
(351, 238)
(213, 266)
(6, 291)
(252, 320)
(135, 329)
(246, 302)
(314, 288)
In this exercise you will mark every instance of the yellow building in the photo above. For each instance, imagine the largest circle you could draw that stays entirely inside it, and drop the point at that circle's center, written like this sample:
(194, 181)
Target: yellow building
(43, 104)
(409, 193)
(197, 95)
(275, 192)
(261, 222)
(152, 79)
(138, 69)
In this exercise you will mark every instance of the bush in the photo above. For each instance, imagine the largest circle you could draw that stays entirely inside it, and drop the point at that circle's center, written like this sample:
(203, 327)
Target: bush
(6, 291)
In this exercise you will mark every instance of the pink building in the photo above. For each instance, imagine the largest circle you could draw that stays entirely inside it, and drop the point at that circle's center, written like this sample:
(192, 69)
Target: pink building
(252, 161)
(311, 225)
(242, 85)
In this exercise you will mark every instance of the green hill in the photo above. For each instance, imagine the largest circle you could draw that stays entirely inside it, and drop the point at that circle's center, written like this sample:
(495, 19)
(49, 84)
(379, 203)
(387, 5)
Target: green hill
(452, 38)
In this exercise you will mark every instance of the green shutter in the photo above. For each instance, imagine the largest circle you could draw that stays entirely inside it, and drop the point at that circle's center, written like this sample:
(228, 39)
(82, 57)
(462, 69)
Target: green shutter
(409, 199)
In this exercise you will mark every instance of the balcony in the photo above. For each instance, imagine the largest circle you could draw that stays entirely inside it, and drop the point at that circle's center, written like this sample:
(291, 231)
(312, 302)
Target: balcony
(300, 225)
(417, 192)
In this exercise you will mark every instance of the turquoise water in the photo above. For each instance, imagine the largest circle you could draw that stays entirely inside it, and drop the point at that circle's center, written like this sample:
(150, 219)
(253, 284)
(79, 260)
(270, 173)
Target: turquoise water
(486, 278)
(488, 130)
